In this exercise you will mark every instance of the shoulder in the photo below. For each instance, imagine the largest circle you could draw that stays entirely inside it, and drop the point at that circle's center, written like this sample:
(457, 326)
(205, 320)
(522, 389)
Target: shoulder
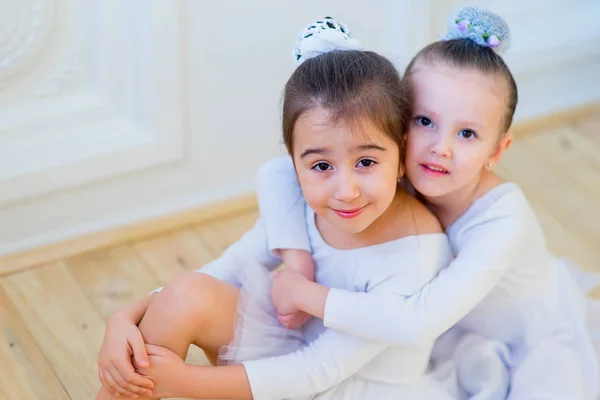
(503, 204)
(424, 221)
(501, 221)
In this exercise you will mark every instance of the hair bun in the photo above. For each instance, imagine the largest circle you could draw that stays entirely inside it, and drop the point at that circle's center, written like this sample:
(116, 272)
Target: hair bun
(481, 26)
(321, 37)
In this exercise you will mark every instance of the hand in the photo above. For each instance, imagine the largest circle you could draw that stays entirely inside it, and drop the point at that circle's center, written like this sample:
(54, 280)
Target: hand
(283, 292)
(122, 340)
(301, 262)
(166, 370)
(294, 320)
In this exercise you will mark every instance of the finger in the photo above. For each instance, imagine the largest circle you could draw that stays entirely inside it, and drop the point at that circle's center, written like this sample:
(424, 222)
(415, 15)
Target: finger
(115, 388)
(126, 371)
(139, 352)
(295, 320)
(299, 322)
(283, 316)
(109, 383)
(284, 319)
(154, 350)
(294, 324)
(123, 386)
(138, 380)
(102, 380)
(298, 319)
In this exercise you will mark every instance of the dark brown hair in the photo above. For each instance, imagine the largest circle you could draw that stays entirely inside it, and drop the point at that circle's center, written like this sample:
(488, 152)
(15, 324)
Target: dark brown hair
(350, 85)
(465, 53)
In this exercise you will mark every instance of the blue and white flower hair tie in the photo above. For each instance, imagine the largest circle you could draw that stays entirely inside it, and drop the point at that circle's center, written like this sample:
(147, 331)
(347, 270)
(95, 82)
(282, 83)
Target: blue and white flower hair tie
(481, 26)
(321, 37)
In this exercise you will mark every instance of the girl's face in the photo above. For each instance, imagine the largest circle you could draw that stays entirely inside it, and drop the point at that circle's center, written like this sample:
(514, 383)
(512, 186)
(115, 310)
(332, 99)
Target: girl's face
(456, 130)
(348, 173)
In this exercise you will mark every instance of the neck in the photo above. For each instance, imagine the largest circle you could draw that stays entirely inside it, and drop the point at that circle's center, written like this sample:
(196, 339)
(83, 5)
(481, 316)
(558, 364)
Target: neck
(449, 207)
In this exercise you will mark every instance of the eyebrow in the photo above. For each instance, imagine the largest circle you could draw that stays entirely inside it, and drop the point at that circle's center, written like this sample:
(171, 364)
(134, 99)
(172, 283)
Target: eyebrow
(368, 147)
(322, 151)
(465, 123)
(423, 111)
(319, 150)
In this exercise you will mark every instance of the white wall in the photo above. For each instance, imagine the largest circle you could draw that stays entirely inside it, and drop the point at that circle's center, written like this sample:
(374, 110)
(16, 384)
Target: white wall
(113, 112)
(147, 107)
(554, 53)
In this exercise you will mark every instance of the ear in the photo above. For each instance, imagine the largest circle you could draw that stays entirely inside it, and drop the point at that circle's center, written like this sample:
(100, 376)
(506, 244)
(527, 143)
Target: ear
(501, 147)
(400, 171)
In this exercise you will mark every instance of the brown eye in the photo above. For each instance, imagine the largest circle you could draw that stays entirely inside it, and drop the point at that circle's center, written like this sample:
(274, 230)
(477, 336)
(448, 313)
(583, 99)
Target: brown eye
(321, 167)
(467, 134)
(366, 163)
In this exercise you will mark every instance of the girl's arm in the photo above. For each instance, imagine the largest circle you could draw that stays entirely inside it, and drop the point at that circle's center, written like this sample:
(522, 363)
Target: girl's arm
(328, 360)
(134, 312)
(251, 247)
(282, 205)
(486, 251)
(282, 208)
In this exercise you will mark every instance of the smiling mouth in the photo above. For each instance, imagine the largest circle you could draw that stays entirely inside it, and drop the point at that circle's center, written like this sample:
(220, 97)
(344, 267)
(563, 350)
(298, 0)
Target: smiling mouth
(432, 169)
(349, 213)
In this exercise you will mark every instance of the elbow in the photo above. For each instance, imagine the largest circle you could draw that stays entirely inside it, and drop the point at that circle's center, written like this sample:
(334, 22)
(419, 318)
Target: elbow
(414, 335)
(266, 171)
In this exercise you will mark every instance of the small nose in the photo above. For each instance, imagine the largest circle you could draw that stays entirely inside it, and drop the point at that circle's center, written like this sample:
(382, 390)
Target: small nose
(347, 188)
(441, 147)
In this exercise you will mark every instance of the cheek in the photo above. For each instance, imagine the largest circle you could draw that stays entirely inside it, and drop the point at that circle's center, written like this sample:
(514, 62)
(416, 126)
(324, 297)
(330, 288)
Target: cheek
(471, 160)
(381, 187)
(314, 189)
(414, 145)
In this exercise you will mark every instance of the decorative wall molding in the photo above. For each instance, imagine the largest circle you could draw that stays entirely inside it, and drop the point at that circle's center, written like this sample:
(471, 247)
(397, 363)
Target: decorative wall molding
(82, 83)
(24, 28)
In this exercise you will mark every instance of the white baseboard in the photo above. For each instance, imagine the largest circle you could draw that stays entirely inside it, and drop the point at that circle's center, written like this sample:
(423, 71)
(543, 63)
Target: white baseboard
(142, 215)
(565, 87)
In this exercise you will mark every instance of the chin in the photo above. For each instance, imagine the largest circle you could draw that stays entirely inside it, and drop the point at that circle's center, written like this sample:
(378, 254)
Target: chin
(350, 226)
(357, 228)
(430, 190)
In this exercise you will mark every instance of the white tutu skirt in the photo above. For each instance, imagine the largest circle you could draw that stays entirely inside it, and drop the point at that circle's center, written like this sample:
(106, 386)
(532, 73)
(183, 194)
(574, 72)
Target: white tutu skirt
(464, 365)
(563, 365)
(588, 282)
(258, 334)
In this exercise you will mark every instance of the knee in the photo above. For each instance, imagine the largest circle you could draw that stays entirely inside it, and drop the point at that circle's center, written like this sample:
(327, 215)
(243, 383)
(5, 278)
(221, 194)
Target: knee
(188, 295)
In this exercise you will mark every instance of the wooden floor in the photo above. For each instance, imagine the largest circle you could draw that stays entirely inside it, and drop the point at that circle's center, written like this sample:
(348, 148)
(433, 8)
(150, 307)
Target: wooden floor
(52, 318)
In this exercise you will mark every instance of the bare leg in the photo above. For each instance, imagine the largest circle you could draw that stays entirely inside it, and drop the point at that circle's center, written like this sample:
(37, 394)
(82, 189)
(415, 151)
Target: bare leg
(192, 309)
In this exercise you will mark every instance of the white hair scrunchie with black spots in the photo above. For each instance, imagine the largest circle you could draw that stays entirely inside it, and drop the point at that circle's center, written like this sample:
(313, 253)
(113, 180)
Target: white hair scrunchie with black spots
(321, 37)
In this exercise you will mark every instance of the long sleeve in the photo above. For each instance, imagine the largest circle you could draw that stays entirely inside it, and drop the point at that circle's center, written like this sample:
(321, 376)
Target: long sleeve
(487, 247)
(282, 205)
(328, 360)
(252, 247)
(321, 364)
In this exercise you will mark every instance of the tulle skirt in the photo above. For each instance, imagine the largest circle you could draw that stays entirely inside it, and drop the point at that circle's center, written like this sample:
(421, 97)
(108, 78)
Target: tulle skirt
(464, 364)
